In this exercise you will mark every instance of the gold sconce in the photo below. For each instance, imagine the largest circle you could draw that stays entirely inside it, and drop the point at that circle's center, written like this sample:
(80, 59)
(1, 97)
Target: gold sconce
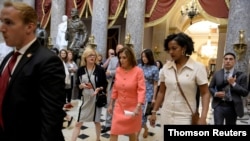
(91, 41)
(240, 48)
(156, 51)
(50, 45)
(127, 40)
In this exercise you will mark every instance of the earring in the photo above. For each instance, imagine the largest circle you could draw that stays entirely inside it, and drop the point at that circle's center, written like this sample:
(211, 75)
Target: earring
(183, 52)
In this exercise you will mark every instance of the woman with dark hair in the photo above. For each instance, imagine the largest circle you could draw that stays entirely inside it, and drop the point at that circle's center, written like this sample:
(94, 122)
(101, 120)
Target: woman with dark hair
(159, 64)
(128, 95)
(191, 75)
(72, 92)
(151, 75)
(63, 55)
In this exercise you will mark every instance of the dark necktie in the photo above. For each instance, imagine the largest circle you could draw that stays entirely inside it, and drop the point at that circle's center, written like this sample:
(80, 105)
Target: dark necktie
(226, 75)
(228, 96)
(4, 81)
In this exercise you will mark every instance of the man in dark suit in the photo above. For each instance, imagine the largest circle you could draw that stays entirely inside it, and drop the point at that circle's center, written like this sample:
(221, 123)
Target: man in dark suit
(227, 88)
(31, 105)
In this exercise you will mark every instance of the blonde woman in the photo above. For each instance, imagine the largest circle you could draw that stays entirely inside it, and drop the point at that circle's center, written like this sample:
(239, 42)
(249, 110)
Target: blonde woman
(89, 75)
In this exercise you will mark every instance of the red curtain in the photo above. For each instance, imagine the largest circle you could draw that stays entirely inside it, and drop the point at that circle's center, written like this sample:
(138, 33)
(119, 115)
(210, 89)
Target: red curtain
(155, 9)
(161, 8)
(43, 9)
(79, 4)
(215, 8)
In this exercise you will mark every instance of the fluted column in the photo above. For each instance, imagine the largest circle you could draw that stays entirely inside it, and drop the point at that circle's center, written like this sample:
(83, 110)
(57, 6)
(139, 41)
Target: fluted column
(135, 24)
(57, 11)
(99, 26)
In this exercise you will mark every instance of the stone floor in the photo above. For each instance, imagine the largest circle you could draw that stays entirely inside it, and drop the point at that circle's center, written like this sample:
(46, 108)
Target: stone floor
(155, 134)
(88, 129)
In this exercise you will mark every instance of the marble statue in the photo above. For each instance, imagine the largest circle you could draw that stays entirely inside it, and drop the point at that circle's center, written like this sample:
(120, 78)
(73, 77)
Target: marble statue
(61, 43)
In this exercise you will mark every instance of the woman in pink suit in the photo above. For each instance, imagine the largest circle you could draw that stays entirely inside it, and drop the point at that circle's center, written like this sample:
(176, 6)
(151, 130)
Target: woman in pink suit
(128, 95)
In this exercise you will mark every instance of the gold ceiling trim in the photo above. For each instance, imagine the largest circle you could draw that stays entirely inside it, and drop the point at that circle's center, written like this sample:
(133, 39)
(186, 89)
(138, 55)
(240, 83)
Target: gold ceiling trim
(155, 22)
(118, 11)
(75, 3)
(44, 15)
(43, 12)
(111, 23)
(227, 3)
(46, 23)
(90, 8)
(163, 18)
(151, 10)
(83, 9)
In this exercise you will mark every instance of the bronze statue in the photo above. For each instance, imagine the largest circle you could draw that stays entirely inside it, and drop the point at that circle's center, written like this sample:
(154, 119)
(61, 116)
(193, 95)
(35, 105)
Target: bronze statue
(76, 34)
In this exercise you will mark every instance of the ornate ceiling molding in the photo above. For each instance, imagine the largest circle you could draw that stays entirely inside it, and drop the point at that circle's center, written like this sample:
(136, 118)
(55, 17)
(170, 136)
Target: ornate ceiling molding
(156, 11)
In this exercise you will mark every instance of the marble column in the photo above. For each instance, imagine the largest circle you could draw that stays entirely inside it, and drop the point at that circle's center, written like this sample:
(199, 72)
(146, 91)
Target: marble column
(239, 20)
(135, 24)
(221, 46)
(57, 11)
(99, 26)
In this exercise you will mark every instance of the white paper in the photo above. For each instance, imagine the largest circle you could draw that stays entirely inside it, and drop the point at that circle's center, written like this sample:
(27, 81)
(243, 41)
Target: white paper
(129, 113)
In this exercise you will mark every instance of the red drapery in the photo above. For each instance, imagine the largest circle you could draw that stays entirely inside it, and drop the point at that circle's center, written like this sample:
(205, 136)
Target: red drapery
(79, 4)
(215, 8)
(159, 10)
(154, 10)
(43, 9)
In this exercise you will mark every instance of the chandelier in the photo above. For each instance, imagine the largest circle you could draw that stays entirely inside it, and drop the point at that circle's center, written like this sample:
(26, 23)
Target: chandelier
(190, 10)
(209, 50)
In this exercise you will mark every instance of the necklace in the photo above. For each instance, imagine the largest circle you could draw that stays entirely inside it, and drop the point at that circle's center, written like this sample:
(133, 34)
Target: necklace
(90, 70)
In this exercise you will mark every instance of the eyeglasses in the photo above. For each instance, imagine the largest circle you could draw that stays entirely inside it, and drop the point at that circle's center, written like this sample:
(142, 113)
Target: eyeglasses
(92, 55)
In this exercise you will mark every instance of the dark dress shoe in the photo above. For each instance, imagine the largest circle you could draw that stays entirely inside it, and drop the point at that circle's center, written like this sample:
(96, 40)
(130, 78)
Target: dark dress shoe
(70, 121)
(105, 129)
